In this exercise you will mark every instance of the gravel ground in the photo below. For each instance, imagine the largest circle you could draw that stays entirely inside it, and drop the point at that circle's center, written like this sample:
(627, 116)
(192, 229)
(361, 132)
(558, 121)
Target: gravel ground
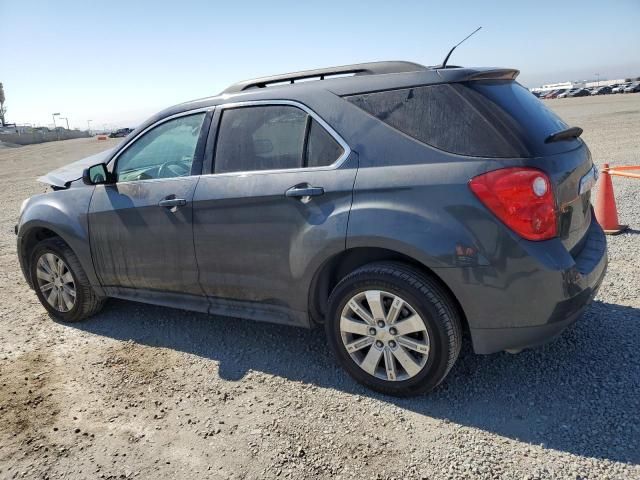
(148, 392)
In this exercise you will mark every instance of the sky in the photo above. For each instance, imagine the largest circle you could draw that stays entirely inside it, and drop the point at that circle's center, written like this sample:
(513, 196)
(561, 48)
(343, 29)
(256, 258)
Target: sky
(118, 62)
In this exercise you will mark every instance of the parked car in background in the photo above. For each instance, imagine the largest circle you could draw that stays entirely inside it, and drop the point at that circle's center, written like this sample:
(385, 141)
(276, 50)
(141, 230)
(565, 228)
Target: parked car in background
(601, 91)
(315, 198)
(579, 92)
(564, 94)
(633, 88)
(121, 132)
(563, 91)
(620, 88)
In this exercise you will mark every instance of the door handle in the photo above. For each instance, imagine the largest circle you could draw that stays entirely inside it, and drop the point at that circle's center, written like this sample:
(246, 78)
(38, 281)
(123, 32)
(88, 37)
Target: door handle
(304, 191)
(172, 202)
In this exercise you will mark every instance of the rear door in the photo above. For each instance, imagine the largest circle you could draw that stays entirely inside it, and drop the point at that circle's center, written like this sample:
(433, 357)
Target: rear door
(276, 202)
(141, 226)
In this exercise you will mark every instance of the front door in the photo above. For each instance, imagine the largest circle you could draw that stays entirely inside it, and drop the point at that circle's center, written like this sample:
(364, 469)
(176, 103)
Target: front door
(277, 201)
(141, 226)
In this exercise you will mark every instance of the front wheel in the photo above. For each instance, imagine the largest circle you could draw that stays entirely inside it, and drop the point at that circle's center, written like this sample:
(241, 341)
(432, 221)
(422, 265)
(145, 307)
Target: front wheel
(60, 282)
(393, 329)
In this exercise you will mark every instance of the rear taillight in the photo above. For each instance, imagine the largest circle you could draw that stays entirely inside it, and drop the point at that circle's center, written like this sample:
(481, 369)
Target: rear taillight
(522, 198)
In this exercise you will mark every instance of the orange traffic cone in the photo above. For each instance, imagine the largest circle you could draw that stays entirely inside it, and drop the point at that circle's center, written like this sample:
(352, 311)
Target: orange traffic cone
(606, 211)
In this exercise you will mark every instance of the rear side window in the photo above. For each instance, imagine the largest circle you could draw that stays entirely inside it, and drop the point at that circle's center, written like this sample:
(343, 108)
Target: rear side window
(272, 137)
(483, 119)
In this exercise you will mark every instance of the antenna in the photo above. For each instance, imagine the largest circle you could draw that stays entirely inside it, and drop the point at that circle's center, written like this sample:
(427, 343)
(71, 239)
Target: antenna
(446, 59)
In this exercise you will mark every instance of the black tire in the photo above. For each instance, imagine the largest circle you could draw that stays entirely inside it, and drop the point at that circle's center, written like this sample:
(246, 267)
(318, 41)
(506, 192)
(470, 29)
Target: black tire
(427, 298)
(87, 303)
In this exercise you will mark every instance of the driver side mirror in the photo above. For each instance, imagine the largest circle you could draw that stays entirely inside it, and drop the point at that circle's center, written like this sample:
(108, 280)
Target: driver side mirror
(96, 175)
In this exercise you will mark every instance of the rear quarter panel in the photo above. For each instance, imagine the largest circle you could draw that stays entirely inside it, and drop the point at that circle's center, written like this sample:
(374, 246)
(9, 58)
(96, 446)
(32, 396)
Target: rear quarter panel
(415, 199)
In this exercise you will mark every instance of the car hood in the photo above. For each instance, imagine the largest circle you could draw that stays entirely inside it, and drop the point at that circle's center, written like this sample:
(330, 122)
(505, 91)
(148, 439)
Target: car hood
(63, 176)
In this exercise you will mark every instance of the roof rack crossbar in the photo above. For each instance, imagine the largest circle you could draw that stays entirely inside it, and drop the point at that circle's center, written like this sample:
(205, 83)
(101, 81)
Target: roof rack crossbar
(373, 68)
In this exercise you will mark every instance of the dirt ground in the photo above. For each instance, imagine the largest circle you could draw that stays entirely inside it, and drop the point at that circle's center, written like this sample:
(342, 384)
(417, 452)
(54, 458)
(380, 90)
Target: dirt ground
(148, 392)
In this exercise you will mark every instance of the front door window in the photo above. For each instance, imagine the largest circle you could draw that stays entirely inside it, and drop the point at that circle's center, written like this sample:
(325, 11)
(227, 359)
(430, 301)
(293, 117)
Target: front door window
(166, 151)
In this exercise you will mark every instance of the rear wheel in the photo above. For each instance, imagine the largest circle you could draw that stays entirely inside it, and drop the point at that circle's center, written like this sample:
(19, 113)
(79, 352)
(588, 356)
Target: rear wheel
(393, 329)
(60, 282)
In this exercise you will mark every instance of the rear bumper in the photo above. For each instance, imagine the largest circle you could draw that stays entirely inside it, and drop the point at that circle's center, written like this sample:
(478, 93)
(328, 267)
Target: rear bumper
(537, 302)
(491, 340)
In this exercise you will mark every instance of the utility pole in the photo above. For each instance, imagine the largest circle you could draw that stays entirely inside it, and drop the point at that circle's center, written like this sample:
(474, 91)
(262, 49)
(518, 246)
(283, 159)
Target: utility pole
(89, 126)
(66, 120)
(2, 110)
(598, 78)
(54, 125)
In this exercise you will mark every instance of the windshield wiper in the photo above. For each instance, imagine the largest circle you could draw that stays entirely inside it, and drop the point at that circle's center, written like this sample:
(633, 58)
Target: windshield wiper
(567, 134)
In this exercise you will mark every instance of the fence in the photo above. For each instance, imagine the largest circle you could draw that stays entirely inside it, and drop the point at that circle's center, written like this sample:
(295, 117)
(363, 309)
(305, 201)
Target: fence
(35, 136)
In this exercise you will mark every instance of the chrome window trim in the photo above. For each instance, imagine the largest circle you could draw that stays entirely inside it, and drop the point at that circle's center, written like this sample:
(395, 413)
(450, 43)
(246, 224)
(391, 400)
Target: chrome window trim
(252, 103)
(151, 127)
(150, 180)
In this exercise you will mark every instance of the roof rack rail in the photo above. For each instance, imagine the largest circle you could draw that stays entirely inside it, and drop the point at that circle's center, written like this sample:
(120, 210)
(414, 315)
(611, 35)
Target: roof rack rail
(372, 68)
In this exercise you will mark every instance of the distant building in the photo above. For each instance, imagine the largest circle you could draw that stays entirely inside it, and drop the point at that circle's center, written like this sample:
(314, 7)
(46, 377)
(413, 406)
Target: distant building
(553, 86)
(605, 83)
(578, 84)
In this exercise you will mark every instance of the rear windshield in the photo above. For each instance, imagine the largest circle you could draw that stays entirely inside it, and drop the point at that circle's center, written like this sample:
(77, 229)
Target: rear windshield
(498, 119)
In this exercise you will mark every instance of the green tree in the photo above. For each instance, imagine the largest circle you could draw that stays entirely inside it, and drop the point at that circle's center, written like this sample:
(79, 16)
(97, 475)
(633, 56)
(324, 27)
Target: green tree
(2, 109)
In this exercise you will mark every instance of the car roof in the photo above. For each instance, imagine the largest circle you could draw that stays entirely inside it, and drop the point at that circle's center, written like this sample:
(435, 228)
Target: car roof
(364, 77)
(342, 80)
(359, 69)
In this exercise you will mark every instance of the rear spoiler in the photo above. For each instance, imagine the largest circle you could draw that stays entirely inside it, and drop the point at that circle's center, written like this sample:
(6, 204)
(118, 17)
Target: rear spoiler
(461, 74)
(496, 74)
(566, 134)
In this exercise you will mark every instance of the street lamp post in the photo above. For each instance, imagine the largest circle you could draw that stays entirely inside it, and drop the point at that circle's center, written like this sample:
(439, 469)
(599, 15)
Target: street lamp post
(89, 126)
(66, 120)
(54, 125)
(598, 78)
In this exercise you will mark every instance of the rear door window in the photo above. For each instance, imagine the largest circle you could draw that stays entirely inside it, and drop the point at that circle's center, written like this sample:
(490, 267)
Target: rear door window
(322, 148)
(260, 138)
(272, 137)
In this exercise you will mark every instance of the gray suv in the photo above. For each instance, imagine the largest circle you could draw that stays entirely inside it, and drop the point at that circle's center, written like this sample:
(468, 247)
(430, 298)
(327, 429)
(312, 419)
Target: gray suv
(397, 204)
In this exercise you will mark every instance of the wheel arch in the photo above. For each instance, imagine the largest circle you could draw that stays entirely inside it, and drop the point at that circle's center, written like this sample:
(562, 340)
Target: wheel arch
(34, 231)
(345, 262)
(29, 238)
(61, 213)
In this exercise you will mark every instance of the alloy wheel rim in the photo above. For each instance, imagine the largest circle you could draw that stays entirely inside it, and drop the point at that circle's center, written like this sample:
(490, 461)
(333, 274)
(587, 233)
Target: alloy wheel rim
(384, 335)
(55, 282)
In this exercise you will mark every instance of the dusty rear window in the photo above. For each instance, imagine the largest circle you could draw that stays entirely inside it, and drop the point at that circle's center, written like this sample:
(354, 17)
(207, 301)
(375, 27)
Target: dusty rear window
(482, 119)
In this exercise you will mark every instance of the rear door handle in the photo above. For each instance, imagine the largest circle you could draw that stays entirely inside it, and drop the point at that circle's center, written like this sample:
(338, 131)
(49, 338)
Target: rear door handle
(172, 202)
(304, 191)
